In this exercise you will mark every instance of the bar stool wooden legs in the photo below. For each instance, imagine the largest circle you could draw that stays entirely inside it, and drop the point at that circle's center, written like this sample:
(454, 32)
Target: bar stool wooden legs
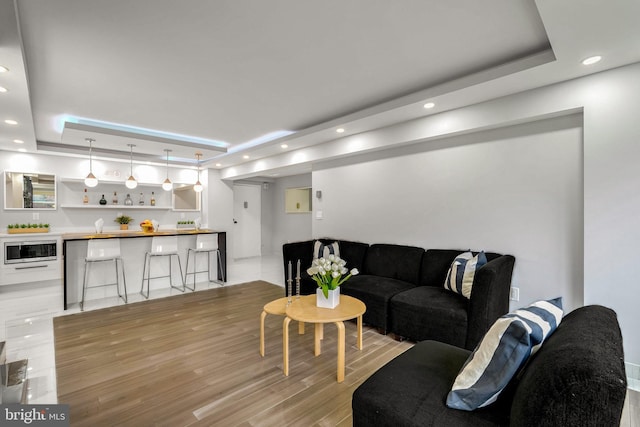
(106, 250)
(166, 246)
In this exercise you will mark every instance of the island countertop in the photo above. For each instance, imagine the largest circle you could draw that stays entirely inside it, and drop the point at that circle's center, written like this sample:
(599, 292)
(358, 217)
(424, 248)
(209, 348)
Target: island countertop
(118, 234)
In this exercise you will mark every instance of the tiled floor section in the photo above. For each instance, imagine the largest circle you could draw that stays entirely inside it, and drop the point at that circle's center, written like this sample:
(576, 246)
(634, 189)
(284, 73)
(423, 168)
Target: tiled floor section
(26, 311)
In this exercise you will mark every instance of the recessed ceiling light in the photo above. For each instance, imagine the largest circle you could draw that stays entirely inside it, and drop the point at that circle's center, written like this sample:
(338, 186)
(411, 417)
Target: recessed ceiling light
(11, 122)
(429, 105)
(245, 157)
(340, 130)
(218, 165)
(3, 89)
(3, 69)
(284, 146)
(22, 150)
(591, 60)
(18, 141)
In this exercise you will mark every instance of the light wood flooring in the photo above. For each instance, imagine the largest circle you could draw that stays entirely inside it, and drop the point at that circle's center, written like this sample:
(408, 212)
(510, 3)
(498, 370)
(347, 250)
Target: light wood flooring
(193, 360)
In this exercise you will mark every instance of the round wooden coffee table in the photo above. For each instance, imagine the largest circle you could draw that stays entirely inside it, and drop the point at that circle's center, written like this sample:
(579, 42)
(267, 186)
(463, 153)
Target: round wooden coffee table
(305, 310)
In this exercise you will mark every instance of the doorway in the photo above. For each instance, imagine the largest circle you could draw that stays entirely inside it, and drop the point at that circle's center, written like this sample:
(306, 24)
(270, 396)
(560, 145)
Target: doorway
(247, 215)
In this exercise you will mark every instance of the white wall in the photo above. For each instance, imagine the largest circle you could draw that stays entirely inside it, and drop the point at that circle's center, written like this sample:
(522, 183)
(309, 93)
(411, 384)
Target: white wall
(278, 227)
(288, 227)
(492, 190)
(611, 155)
(268, 218)
(612, 196)
(220, 207)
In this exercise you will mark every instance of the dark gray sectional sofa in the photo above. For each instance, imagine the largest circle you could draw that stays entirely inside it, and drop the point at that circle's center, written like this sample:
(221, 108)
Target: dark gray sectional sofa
(403, 289)
(577, 378)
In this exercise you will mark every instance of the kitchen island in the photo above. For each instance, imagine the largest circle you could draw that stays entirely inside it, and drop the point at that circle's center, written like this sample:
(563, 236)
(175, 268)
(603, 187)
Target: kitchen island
(133, 246)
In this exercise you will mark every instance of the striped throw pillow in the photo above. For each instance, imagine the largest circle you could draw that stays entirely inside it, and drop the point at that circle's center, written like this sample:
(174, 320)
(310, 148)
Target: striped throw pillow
(322, 250)
(462, 271)
(504, 349)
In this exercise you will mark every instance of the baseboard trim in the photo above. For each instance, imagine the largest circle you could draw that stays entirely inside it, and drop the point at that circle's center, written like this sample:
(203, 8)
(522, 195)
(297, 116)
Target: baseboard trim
(633, 375)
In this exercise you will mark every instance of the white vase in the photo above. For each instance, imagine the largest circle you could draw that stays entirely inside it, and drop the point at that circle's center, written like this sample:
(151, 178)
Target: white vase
(331, 302)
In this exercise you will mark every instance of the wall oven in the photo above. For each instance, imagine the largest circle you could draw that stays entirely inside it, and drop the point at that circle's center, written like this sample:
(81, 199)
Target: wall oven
(21, 252)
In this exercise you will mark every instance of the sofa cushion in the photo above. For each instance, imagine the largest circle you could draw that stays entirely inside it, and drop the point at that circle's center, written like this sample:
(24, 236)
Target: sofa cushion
(375, 292)
(462, 271)
(394, 262)
(502, 352)
(429, 313)
(436, 263)
(410, 390)
(353, 253)
(578, 376)
(323, 250)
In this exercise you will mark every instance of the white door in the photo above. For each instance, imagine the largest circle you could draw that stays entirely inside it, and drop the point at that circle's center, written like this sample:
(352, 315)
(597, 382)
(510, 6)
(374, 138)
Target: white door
(247, 221)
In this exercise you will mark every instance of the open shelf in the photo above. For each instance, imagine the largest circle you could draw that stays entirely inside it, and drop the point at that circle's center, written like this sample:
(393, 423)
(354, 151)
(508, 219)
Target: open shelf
(120, 207)
(71, 193)
(110, 182)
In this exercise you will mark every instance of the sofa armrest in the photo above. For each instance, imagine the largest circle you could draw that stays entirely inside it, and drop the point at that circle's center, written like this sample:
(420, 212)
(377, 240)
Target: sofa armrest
(577, 378)
(353, 253)
(489, 297)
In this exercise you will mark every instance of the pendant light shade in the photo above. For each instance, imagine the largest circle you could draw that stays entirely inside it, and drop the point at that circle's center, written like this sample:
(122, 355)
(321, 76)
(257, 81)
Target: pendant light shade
(131, 182)
(197, 187)
(90, 180)
(167, 185)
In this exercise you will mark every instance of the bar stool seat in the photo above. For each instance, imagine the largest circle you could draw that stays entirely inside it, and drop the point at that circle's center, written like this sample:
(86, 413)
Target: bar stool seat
(104, 250)
(205, 243)
(161, 246)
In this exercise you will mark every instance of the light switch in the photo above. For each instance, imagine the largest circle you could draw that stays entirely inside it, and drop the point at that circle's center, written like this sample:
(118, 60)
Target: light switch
(318, 214)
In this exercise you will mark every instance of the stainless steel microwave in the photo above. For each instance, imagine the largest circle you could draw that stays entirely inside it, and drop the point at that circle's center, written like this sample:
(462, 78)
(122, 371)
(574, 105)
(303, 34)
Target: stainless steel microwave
(30, 251)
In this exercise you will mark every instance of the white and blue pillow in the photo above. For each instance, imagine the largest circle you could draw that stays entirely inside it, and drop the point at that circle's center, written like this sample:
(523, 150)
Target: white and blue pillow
(323, 250)
(462, 271)
(504, 349)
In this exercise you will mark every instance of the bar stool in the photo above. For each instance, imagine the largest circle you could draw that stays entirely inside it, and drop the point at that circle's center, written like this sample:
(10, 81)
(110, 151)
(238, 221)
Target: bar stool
(204, 243)
(102, 250)
(166, 246)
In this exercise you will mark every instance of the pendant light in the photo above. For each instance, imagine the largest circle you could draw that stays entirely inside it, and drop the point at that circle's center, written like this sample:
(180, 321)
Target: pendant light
(131, 182)
(197, 187)
(167, 185)
(90, 180)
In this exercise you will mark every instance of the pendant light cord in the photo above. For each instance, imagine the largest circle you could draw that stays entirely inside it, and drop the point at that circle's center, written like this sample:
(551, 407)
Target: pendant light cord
(167, 162)
(90, 155)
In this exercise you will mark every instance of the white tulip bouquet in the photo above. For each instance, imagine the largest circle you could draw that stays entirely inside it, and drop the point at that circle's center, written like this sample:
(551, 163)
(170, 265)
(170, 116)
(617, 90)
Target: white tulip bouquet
(328, 272)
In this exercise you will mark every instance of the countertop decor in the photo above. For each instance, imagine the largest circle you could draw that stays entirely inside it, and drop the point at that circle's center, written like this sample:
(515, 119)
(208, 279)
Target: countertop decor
(27, 228)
